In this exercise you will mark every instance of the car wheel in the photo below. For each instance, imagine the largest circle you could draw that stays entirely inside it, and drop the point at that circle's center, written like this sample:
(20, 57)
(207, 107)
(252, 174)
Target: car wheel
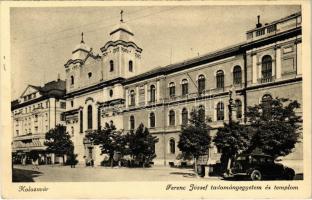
(289, 174)
(256, 175)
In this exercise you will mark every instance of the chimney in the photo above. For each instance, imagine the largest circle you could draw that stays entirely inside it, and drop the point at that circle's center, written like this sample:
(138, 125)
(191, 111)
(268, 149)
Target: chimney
(58, 77)
(258, 25)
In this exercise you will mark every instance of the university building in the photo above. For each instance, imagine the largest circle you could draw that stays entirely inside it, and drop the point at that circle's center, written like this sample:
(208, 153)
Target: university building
(109, 87)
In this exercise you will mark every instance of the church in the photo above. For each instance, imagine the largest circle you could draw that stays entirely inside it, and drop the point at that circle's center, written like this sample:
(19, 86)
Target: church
(109, 87)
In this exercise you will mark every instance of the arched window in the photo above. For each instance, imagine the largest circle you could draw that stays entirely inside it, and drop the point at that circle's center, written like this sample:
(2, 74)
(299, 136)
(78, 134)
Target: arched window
(201, 113)
(90, 74)
(184, 116)
(172, 145)
(266, 69)
(132, 122)
(201, 83)
(99, 118)
(152, 120)
(220, 79)
(132, 98)
(130, 66)
(184, 87)
(237, 75)
(90, 117)
(111, 65)
(239, 110)
(220, 111)
(72, 80)
(171, 118)
(266, 102)
(171, 89)
(81, 121)
(152, 93)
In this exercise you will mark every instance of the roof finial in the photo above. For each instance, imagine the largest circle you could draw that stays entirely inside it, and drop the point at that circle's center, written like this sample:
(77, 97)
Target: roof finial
(82, 37)
(121, 12)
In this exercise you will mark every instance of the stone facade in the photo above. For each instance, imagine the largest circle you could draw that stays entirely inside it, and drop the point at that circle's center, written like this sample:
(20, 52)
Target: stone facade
(110, 87)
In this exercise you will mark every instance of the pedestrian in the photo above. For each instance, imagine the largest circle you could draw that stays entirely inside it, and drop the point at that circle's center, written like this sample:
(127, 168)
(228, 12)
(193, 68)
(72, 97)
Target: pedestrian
(35, 164)
(92, 162)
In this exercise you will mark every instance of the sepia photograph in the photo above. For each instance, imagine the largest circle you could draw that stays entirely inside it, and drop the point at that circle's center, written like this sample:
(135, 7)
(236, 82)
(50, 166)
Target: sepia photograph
(157, 93)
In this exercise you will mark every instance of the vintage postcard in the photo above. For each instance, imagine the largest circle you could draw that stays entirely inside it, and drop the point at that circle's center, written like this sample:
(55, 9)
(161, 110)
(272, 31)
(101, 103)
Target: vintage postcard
(174, 99)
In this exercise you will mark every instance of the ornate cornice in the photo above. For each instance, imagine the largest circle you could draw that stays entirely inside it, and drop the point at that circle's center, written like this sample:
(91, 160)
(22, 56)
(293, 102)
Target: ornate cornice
(120, 42)
(75, 61)
(95, 87)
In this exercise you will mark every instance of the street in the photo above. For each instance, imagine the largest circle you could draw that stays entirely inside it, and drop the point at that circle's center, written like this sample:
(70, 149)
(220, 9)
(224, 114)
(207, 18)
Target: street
(57, 173)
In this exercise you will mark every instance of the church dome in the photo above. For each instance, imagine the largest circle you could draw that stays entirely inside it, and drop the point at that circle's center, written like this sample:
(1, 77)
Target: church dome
(82, 46)
(122, 31)
(121, 26)
(81, 50)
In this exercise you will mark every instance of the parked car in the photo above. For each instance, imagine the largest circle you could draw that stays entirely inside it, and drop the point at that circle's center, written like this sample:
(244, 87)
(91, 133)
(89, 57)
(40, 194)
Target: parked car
(258, 167)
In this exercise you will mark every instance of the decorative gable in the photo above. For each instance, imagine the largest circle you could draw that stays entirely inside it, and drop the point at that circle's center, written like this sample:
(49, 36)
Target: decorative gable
(31, 92)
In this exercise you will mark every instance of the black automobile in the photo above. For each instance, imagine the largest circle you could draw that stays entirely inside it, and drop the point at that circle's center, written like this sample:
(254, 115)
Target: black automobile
(258, 167)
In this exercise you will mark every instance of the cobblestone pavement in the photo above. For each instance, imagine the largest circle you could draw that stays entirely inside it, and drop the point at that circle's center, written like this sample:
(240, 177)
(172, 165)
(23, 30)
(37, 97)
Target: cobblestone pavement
(57, 173)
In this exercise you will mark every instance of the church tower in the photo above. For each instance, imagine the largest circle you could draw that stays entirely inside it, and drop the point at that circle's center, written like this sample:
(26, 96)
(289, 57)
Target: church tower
(121, 57)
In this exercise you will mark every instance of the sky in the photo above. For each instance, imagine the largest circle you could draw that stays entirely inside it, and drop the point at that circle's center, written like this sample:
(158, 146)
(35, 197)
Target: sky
(42, 39)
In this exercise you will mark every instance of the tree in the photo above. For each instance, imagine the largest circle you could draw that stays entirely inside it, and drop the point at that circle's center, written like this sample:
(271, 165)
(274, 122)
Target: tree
(194, 137)
(276, 126)
(231, 139)
(141, 145)
(58, 141)
(109, 139)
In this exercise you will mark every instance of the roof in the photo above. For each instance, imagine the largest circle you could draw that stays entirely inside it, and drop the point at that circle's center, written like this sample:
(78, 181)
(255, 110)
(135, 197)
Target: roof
(121, 26)
(53, 85)
(186, 63)
(55, 89)
(213, 56)
(122, 32)
(278, 21)
(82, 46)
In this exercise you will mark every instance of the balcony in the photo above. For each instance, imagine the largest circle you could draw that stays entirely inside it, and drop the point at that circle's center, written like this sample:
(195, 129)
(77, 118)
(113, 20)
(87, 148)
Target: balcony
(29, 136)
(266, 79)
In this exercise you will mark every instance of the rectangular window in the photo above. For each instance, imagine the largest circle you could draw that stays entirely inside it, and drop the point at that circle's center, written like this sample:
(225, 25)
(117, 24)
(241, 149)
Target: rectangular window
(63, 118)
(63, 105)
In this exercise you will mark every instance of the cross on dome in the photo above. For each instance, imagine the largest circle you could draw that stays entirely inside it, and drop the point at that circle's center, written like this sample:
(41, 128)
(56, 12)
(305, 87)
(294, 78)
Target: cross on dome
(121, 12)
(82, 37)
